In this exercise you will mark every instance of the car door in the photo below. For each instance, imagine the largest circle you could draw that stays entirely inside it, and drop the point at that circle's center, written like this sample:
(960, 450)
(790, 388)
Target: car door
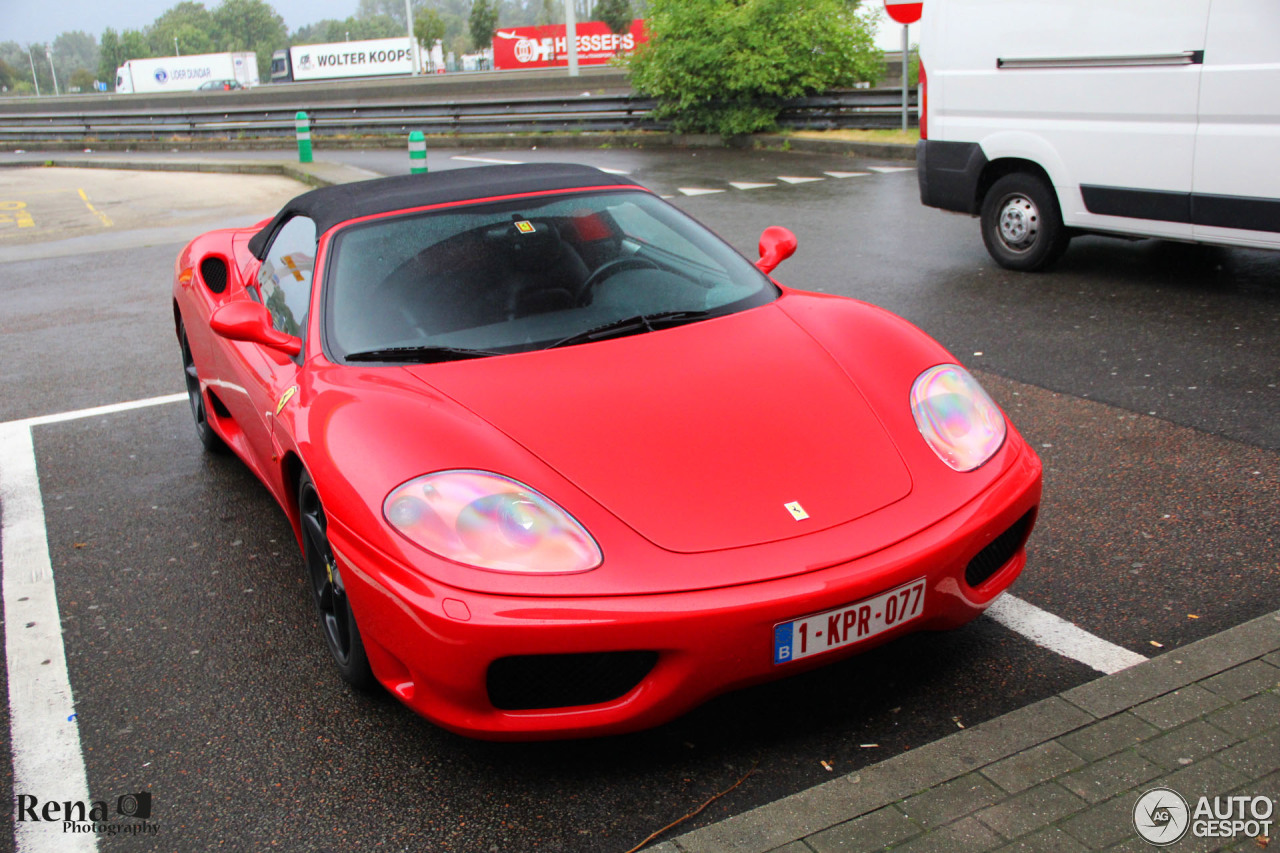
(283, 284)
(1236, 188)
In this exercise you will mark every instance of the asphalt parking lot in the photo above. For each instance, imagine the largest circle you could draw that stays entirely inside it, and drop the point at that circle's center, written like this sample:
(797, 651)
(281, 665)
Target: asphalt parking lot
(1145, 374)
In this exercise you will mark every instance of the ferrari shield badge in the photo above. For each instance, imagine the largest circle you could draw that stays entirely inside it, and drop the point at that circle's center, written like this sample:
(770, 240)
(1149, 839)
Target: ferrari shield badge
(524, 226)
(285, 398)
(797, 511)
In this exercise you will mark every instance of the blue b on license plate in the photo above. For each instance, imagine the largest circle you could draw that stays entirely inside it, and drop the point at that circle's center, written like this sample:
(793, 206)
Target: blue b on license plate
(852, 623)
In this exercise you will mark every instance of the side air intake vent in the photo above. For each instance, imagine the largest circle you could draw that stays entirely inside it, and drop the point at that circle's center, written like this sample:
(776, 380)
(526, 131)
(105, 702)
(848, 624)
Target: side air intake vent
(214, 272)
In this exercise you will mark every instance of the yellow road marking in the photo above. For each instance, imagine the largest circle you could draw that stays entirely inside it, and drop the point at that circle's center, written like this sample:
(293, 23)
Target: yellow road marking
(16, 211)
(106, 222)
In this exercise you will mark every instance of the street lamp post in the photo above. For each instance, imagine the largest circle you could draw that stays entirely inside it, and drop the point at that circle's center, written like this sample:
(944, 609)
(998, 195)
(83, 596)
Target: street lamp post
(54, 74)
(571, 35)
(176, 50)
(413, 41)
(34, 78)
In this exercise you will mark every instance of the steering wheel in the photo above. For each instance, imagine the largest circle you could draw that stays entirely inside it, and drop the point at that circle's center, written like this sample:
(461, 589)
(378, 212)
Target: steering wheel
(610, 268)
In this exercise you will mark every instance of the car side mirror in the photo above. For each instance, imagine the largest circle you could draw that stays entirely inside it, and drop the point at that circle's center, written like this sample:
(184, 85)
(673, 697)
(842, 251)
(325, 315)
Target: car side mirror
(776, 245)
(248, 321)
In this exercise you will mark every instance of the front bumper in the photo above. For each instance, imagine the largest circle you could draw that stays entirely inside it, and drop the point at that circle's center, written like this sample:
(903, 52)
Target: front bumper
(433, 646)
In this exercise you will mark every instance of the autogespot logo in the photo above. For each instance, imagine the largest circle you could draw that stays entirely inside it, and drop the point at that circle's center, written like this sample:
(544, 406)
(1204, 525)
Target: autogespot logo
(1161, 816)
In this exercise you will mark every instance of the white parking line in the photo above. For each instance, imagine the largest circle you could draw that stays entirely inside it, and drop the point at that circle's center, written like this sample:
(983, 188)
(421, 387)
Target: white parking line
(41, 420)
(43, 732)
(749, 185)
(792, 179)
(846, 174)
(697, 191)
(1058, 635)
(44, 735)
(889, 170)
(487, 160)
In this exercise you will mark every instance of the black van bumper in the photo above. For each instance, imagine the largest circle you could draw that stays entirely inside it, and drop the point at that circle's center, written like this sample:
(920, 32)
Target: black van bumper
(948, 173)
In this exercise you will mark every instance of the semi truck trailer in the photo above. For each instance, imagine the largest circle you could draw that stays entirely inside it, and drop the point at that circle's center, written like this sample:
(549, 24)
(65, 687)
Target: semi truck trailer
(185, 73)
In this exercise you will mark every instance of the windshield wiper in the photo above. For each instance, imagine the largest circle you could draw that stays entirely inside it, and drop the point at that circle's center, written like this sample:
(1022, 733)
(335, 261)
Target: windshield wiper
(631, 326)
(422, 354)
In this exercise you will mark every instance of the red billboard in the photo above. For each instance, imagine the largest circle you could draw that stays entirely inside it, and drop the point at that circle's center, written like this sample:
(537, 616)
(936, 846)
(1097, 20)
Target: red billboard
(547, 47)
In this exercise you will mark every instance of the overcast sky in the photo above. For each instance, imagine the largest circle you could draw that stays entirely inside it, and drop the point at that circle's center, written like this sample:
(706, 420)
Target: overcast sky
(26, 21)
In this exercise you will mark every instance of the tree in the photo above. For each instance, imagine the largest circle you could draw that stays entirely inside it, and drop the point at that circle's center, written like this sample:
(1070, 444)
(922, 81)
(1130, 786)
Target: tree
(133, 45)
(14, 55)
(393, 9)
(724, 66)
(75, 51)
(482, 22)
(81, 79)
(615, 13)
(35, 54)
(190, 23)
(351, 29)
(428, 27)
(7, 78)
(110, 56)
(249, 25)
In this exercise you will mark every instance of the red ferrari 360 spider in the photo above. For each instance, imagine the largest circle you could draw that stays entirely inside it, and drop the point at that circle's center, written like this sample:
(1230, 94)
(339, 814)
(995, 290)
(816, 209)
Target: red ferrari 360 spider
(562, 463)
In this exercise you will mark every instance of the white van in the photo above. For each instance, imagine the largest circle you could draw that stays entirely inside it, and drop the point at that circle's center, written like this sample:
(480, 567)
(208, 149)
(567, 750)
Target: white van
(1151, 118)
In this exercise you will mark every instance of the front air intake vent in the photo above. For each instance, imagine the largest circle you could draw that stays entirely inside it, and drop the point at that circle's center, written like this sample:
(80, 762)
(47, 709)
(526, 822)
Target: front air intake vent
(526, 682)
(213, 271)
(1001, 550)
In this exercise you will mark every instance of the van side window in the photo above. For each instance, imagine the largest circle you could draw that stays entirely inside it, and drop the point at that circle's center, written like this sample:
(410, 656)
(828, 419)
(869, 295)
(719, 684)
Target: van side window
(284, 279)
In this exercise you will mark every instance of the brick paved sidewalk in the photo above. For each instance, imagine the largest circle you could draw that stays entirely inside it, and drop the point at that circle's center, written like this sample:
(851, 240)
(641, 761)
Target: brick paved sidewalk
(1060, 776)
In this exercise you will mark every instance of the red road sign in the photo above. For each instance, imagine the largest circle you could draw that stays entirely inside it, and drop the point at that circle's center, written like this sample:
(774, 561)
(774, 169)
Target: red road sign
(903, 12)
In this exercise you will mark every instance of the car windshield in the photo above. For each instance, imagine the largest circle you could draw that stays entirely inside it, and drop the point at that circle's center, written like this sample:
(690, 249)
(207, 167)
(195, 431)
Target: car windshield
(523, 275)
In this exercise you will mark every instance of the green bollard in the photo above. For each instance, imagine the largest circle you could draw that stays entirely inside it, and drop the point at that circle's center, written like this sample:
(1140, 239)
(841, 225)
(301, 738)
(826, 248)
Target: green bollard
(304, 137)
(417, 153)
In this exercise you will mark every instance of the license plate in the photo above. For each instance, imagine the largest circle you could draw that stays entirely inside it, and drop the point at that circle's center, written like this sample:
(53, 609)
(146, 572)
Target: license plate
(852, 623)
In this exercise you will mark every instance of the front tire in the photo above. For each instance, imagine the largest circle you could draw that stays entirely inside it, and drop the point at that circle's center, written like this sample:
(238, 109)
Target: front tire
(337, 620)
(195, 396)
(1022, 224)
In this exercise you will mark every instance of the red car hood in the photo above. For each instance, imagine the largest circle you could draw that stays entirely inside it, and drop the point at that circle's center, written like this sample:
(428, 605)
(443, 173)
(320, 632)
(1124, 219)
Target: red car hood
(698, 437)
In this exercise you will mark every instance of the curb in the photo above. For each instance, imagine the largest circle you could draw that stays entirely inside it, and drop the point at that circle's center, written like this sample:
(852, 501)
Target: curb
(317, 174)
(775, 825)
(879, 150)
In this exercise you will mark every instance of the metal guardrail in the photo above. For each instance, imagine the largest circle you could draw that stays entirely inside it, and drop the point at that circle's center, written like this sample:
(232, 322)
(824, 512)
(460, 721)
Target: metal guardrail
(861, 108)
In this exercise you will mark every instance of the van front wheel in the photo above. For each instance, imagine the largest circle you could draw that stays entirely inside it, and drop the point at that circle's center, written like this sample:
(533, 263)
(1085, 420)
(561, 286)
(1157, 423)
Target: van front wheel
(1021, 223)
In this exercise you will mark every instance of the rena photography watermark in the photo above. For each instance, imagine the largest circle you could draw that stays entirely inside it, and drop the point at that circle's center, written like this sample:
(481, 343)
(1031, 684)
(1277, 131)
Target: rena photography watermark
(131, 815)
(1162, 817)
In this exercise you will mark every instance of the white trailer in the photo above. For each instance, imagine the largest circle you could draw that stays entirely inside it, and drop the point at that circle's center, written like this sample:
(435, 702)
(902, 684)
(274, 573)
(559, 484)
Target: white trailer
(365, 58)
(185, 73)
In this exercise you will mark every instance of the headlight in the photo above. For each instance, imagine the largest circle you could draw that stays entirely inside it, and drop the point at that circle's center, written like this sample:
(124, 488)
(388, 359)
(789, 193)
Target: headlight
(490, 522)
(956, 417)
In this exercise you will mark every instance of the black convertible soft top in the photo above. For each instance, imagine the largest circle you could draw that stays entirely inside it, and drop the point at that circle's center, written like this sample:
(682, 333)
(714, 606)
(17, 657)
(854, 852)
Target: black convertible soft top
(330, 206)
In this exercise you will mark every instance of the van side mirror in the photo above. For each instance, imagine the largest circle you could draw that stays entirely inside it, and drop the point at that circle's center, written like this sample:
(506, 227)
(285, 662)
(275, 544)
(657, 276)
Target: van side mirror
(776, 245)
(248, 321)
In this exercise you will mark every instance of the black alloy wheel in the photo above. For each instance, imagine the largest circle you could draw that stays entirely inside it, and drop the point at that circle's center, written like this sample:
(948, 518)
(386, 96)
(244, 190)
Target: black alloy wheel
(337, 620)
(195, 397)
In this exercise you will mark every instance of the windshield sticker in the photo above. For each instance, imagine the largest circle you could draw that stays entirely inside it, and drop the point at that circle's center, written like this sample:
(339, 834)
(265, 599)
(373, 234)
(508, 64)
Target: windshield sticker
(293, 266)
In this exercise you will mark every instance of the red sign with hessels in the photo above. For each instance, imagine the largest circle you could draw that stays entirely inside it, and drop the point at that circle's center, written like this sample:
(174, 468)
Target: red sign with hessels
(903, 13)
(547, 47)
